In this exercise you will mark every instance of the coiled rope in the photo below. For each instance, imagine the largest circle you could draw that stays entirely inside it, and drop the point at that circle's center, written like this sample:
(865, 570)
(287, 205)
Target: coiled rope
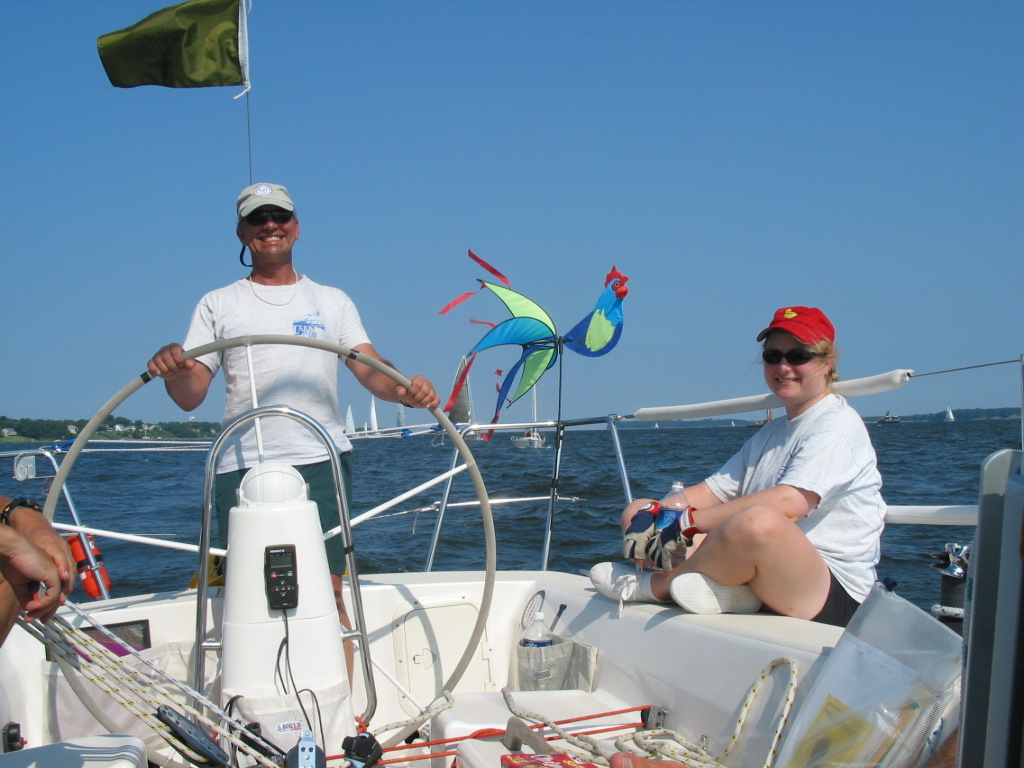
(139, 693)
(440, 704)
(666, 744)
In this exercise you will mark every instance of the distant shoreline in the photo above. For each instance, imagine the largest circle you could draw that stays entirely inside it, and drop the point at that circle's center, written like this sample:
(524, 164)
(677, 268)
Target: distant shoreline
(962, 416)
(204, 432)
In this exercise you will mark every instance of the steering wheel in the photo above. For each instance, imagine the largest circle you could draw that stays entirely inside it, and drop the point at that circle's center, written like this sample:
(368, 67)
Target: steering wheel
(342, 352)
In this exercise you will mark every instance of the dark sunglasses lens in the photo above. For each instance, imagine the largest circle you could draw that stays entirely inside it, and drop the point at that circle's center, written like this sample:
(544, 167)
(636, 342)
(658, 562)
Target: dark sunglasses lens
(793, 356)
(262, 217)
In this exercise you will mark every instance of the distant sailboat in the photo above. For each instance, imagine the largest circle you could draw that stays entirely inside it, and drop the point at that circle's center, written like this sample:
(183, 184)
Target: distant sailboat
(372, 429)
(767, 417)
(462, 411)
(949, 414)
(400, 418)
(531, 437)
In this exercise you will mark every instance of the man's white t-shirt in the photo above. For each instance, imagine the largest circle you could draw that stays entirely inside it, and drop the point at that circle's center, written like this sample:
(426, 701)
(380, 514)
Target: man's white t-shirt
(304, 379)
(825, 450)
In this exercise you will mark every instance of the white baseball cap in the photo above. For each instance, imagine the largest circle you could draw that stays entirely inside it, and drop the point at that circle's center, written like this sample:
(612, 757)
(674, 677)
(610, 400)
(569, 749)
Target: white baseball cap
(262, 194)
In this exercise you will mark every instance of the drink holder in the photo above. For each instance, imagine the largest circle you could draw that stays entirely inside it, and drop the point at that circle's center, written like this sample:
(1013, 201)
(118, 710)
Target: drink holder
(564, 665)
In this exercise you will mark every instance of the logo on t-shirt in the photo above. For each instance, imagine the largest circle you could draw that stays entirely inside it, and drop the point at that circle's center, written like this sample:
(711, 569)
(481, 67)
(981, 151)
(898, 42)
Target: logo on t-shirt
(310, 325)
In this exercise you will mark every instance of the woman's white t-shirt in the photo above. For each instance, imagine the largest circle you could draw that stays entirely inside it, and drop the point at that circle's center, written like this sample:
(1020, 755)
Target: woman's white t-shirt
(825, 450)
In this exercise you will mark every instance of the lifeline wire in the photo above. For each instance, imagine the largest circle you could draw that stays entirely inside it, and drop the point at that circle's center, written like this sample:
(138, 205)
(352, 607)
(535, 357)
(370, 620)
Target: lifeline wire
(965, 368)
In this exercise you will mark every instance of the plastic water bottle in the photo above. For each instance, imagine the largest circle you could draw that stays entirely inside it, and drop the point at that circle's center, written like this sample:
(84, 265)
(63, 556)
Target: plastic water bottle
(672, 506)
(536, 635)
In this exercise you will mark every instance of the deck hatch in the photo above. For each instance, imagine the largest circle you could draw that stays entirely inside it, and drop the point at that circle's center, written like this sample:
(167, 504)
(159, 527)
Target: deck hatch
(429, 641)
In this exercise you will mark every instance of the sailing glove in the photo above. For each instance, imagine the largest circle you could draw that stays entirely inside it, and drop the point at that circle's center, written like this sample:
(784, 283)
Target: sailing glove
(640, 531)
(667, 547)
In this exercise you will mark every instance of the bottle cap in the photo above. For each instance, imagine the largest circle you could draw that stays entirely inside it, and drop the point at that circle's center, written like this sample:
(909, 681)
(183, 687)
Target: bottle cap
(538, 615)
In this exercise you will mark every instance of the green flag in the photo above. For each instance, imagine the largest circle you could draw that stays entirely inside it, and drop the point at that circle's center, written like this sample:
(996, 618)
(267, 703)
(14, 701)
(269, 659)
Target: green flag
(192, 45)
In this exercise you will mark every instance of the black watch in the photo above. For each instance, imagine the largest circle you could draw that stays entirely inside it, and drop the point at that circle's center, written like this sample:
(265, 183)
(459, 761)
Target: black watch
(5, 513)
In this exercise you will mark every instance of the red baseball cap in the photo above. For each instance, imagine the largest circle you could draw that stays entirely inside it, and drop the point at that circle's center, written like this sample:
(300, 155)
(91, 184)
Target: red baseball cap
(808, 324)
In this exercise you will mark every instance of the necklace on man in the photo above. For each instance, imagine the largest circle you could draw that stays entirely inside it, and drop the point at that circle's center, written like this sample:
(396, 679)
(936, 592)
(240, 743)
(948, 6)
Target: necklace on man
(295, 290)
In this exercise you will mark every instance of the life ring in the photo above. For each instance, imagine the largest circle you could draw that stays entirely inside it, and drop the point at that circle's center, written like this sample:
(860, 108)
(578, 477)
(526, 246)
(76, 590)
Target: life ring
(90, 581)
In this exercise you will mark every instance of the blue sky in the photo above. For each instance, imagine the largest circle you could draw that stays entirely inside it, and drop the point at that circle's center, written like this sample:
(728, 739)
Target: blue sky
(729, 157)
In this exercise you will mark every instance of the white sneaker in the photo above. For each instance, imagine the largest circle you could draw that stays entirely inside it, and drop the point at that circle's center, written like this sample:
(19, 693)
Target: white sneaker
(623, 582)
(697, 593)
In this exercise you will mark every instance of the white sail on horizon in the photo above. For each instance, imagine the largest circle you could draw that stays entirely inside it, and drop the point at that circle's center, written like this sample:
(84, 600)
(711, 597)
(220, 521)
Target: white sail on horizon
(462, 411)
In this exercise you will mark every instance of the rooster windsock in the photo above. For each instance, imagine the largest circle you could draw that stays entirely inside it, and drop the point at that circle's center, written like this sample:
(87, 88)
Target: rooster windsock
(531, 328)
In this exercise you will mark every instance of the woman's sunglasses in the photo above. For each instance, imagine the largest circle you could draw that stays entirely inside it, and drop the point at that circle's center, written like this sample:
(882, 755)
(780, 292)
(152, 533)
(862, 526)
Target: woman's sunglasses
(259, 218)
(792, 356)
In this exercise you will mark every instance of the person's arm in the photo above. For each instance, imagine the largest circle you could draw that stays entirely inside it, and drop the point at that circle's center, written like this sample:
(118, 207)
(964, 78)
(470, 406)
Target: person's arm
(31, 524)
(419, 394)
(794, 503)
(29, 571)
(186, 381)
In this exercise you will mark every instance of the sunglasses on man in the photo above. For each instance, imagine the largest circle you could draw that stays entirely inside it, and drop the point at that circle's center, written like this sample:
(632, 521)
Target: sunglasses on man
(259, 218)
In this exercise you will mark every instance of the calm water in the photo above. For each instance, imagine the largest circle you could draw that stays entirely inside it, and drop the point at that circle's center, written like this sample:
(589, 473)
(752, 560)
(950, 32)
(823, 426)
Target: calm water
(161, 493)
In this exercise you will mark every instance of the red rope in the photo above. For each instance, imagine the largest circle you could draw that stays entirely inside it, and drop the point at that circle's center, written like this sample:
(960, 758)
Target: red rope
(491, 732)
(535, 726)
(494, 732)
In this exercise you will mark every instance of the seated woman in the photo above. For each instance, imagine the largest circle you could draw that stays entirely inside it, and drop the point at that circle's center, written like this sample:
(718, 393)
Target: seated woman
(793, 520)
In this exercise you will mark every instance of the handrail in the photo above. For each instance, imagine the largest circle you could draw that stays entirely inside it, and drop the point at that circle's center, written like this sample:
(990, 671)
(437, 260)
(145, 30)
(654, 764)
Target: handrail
(937, 514)
(360, 631)
(870, 385)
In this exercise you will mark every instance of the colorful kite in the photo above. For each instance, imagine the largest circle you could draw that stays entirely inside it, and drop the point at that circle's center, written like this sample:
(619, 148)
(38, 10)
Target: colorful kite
(532, 328)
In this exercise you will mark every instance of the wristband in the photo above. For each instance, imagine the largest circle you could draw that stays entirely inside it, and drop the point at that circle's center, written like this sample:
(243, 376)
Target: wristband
(691, 530)
(5, 513)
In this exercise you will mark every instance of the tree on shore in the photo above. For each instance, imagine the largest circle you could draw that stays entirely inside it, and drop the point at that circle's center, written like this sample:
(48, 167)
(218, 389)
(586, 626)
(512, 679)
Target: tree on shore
(59, 430)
